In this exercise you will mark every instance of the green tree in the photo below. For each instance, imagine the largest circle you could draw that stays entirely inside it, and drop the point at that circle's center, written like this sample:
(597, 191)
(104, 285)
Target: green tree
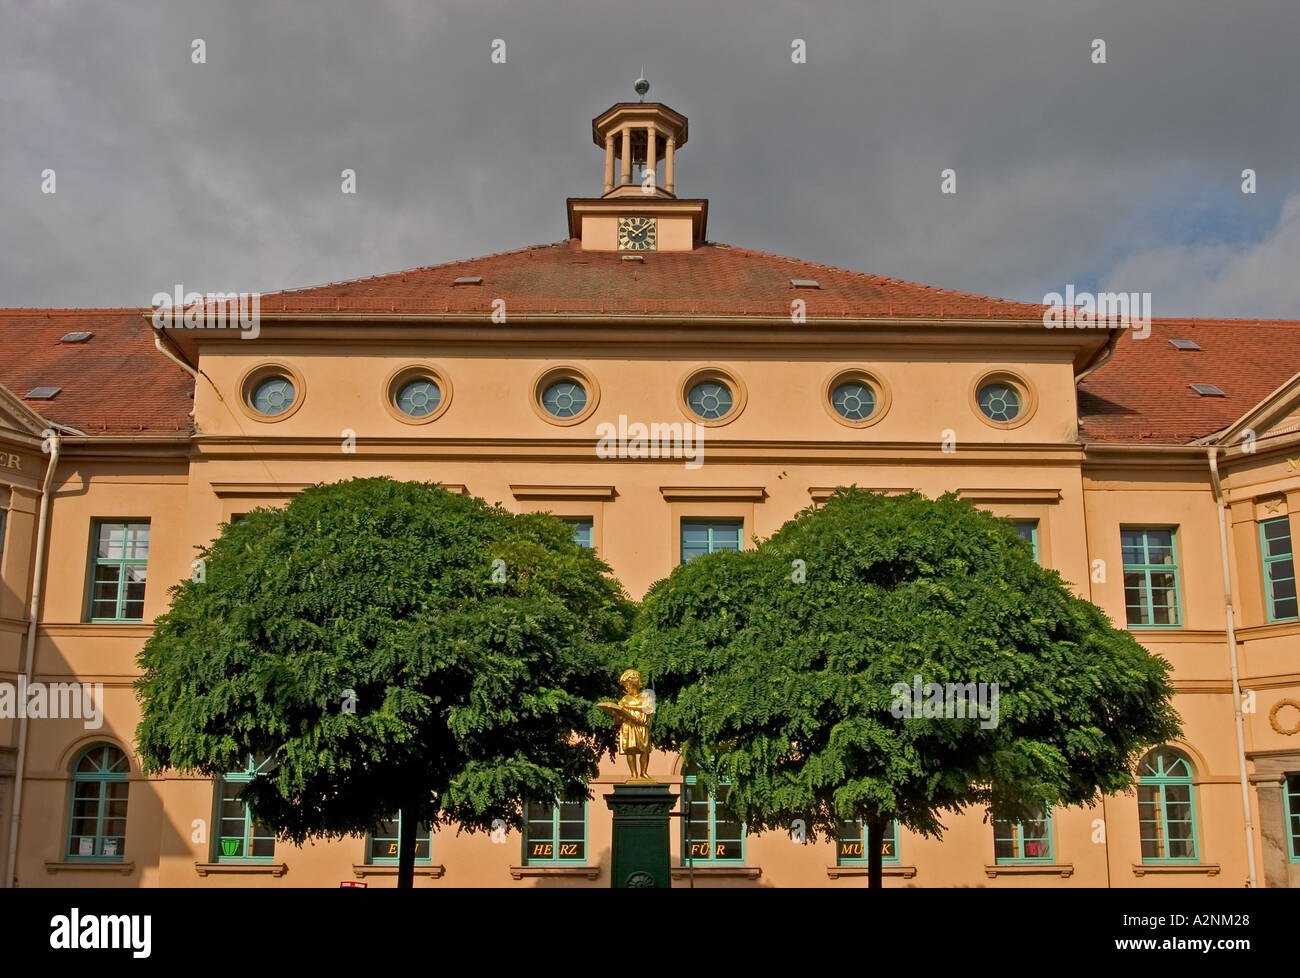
(788, 671)
(390, 647)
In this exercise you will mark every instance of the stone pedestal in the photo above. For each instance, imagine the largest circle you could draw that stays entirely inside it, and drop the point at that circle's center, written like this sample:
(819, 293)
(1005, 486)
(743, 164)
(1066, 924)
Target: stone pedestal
(640, 846)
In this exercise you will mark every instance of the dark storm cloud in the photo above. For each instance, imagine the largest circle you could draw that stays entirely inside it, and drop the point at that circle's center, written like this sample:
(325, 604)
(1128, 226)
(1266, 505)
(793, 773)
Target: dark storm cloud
(226, 175)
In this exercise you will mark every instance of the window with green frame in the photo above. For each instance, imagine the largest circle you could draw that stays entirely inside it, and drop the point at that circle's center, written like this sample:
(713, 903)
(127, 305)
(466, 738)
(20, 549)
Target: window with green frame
(583, 532)
(555, 832)
(383, 848)
(1167, 807)
(851, 846)
(97, 819)
(710, 833)
(240, 837)
(119, 559)
(1027, 530)
(1279, 568)
(1022, 842)
(1150, 576)
(709, 536)
(1292, 790)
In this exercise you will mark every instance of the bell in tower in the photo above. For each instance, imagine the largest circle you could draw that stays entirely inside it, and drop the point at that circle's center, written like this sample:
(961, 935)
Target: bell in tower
(639, 208)
(637, 137)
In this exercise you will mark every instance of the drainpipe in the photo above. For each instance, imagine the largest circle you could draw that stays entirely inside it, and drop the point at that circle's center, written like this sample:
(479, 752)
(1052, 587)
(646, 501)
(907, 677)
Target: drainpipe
(1108, 351)
(29, 652)
(169, 352)
(1212, 453)
(1087, 576)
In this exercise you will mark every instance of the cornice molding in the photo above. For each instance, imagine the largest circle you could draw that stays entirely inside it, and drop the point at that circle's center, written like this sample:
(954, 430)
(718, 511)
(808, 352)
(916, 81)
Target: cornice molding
(721, 494)
(820, 494)
(1011, 495)
(562, 492)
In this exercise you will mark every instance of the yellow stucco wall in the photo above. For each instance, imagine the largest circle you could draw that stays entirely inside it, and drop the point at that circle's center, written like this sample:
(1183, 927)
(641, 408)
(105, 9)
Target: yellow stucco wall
(785, 443)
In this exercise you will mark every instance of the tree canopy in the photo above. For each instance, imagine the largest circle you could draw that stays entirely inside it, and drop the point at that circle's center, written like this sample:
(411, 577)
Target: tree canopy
(779, 670)
(388, 646)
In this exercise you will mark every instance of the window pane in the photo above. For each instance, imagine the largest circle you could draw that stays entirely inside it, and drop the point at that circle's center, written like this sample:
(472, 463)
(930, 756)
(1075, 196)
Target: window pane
(1160, 546)
(1277, 536)
(695, 540)
(1027, 530)
(728, 832)
(1131, 544)
(1279, 568)
(1006, 840)
(573, 830)
(582, 531)
(97, 826)
(384, 845)
(1136, 601)
(710, 399)
(133, 593)
(1166, 808)
(1293, 814)
(540, 826)
(104, 591)
(851, 844)
(556, 833)
(137, 541)
(701, 537)
(726, 537)
(698, 841)
(263, 841)
(112, 541)
(1150, 577)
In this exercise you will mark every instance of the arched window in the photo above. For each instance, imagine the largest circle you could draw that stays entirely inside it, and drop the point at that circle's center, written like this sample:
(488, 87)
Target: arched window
(97, 822)
(1167, 807)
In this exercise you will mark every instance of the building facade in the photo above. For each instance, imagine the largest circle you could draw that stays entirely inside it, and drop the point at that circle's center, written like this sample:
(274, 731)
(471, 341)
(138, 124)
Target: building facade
(669, 396)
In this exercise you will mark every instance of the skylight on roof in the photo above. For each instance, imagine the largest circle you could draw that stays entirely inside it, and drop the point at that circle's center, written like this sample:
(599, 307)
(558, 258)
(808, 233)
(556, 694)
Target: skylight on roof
(1207, 390)
(79, 337)
(805, 283)
(42, 393)
(469, 280)
(1185, 344)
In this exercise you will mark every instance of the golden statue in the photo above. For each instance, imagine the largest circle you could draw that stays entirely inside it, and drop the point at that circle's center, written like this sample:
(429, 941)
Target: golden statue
(633, 711)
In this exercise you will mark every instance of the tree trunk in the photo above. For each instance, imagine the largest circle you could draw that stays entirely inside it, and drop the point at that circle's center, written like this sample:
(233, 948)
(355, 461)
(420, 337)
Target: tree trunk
(406, 849)
(875, 854)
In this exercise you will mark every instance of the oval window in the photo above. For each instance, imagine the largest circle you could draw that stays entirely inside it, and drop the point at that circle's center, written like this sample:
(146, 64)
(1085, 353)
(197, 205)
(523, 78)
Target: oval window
(999, 402)
(710, 399)
(273, 395)
(418, 398)
(854, 400)
(564, 398)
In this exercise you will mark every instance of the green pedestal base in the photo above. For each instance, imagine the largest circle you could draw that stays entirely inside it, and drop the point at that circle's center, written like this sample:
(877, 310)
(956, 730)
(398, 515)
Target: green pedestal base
(640, 847)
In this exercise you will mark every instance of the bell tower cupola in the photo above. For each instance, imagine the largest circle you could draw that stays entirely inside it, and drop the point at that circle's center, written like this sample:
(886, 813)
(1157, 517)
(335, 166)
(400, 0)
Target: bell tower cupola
(638, 209)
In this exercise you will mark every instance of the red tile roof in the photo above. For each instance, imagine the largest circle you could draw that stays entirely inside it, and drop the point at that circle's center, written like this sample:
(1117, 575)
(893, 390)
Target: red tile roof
(713, 279)
(1143, 395)
(115, 383)
(118, 383)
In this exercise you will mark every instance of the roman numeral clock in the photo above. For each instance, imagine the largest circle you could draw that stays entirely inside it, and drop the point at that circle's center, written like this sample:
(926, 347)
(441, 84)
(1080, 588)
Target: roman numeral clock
(637, 233)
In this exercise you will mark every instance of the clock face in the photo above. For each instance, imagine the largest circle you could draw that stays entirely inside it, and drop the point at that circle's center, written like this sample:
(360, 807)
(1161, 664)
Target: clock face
(637, 233)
